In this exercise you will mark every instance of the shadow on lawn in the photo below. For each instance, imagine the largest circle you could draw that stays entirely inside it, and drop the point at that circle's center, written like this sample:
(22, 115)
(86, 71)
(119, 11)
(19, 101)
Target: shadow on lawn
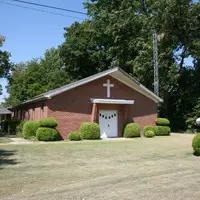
(4, 158)
(196, 154)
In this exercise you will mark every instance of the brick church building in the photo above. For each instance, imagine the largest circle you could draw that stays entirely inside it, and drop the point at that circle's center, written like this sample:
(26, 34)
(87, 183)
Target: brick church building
(111, 98)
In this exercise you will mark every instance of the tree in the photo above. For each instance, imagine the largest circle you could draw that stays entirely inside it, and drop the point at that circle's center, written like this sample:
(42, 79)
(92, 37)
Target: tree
(35, 77)
(120, 33)
(5, 64)
(82, 51)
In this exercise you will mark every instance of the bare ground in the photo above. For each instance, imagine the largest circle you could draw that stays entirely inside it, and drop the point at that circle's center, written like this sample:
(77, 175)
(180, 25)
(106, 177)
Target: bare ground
(142, 168)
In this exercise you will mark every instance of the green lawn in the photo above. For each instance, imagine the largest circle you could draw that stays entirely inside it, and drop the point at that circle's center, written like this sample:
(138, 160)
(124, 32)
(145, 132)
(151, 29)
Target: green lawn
(4, 140)
(150, 169)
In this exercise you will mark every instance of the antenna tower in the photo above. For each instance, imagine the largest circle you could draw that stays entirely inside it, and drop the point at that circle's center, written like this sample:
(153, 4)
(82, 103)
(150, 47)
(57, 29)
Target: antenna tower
(155, 63)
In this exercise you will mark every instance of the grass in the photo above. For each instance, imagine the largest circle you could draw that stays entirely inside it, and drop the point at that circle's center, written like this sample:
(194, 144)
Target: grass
(142, 168)
(4, 140)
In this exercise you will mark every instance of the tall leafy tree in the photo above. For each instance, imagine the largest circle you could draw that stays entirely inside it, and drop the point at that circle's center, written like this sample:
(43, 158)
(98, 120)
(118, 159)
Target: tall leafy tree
(5, 64)
(36, 76)
(120, 33)
(83, 53)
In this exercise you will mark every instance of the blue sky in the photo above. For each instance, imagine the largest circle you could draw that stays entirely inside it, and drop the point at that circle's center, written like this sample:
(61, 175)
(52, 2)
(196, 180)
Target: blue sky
(29, 33)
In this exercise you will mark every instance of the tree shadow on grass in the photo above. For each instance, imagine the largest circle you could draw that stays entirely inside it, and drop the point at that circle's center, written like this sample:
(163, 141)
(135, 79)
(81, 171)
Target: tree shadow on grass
(4, 158)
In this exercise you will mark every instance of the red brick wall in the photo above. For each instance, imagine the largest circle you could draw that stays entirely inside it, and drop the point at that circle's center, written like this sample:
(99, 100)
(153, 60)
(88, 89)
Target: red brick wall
(31, 111)
(73, 107)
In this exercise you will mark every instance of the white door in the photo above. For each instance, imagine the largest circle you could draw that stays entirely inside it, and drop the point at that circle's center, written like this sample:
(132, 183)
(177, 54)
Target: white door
(108, 122)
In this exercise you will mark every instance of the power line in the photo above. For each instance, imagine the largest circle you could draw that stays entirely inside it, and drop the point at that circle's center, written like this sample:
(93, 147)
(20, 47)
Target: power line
(44, 11)
(52, 7)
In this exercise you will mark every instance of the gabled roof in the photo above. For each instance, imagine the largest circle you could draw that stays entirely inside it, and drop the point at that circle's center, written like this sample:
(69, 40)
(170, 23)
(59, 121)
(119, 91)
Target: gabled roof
(116, 73)
(4, 111)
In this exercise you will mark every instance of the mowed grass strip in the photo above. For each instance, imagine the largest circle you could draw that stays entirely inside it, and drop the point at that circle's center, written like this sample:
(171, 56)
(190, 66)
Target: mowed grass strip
(141, 168)
(4, 140)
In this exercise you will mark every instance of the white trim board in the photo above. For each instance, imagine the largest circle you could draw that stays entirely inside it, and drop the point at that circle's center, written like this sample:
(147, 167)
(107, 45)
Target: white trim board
(112, 101)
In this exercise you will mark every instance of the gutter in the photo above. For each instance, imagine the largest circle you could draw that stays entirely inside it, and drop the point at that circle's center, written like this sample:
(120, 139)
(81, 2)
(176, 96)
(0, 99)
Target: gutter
(30, 101)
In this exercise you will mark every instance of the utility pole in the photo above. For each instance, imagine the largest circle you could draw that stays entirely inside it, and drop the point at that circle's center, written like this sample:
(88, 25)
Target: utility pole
(155, 63)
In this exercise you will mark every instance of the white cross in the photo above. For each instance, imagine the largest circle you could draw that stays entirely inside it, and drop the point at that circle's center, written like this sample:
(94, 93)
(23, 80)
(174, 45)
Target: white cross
(108, 85)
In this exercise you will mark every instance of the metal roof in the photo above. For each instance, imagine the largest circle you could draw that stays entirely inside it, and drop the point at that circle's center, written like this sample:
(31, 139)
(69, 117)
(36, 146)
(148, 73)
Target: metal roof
(4, 111)
(116, 73)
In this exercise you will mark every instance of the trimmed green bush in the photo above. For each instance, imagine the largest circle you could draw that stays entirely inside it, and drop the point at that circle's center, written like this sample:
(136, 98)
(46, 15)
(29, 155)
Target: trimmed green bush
(75, 136)
(162, 122)
(132, 130)
(149, 128)
(162, 130)
(19, 128)
(196, 144)
(48, 122)
(149, 134)
(30, 128)
(47, 134)
(90, 131)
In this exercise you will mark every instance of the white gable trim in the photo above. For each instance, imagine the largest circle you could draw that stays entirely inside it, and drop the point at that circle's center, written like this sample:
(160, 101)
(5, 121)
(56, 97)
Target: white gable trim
(125, 78)
(80, 82)
(112, 101)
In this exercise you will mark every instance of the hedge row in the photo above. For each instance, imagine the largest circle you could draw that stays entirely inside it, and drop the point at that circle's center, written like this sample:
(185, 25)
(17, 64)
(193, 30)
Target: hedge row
(158, 130)
(92, 131)
(44, 130)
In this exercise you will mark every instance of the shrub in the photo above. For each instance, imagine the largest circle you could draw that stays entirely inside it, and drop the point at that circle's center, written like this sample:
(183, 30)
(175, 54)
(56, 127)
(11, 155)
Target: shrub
(10, 123)
(75, 136)
(30, 128)
(48, 122)
(90, 131)
(149, 128)
(162, 130)
(162, 122)
(47, 134)
(196, 144)
(19, 128)
(132, 130)
(4, 125)
(149, 134)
